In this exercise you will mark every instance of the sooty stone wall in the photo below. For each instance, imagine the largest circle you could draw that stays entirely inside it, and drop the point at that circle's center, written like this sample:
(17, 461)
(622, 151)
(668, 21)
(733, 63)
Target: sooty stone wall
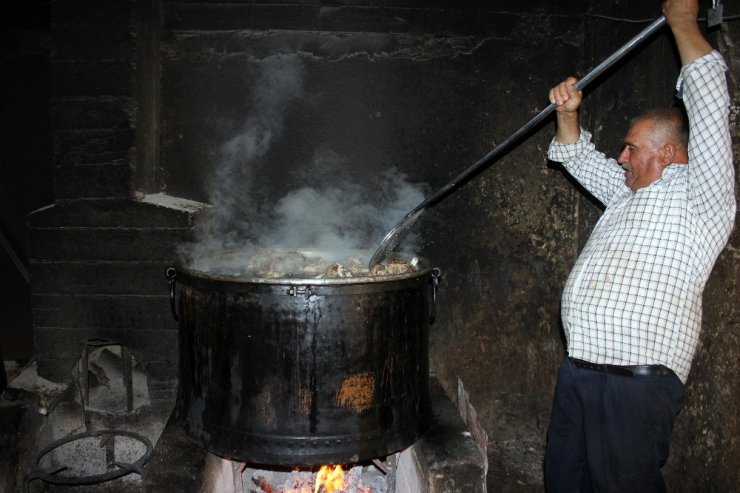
(143, 91)
(98, 256)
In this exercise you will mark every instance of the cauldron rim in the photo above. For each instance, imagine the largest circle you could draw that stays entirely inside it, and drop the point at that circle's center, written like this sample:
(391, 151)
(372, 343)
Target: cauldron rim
(185, 267)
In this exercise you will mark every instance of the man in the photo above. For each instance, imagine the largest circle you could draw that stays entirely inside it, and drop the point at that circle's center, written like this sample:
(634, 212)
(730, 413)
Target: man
(631, 307)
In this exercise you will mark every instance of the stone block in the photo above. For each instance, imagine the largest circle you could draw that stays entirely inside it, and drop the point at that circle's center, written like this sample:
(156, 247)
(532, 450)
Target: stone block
(463, 22)
(284, 16)
(115, 311)
(92, 145)
(112, 41)
(104, 278)
(60, 347)
(246, 15)
(352, 19)
(155, 345)
(104, 12)
(92, 113)
(96, 78)
(175, 464)
(206, 17)
(162, 380)
(91, 244)
(448, 455)
(18, 416)
(92, 181)
(110, 213)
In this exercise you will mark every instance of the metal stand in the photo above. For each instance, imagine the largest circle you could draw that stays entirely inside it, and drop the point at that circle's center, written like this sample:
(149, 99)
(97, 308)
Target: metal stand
(126, 369)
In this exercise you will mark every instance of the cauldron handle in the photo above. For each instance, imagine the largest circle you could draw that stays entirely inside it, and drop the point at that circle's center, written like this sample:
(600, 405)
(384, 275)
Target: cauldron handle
(171, 274)
(436, 275)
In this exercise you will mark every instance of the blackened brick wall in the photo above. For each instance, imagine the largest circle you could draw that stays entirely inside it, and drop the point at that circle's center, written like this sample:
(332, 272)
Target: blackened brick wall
(98, 256)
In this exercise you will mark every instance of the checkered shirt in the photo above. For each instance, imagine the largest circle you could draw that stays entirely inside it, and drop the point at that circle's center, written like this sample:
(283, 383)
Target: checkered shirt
(634, 296)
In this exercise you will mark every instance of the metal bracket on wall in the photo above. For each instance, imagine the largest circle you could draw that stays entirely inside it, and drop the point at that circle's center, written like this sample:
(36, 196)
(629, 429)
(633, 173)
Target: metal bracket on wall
(714, 13)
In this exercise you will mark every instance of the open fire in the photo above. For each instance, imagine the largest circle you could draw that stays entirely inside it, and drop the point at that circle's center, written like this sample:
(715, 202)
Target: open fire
(328, 479)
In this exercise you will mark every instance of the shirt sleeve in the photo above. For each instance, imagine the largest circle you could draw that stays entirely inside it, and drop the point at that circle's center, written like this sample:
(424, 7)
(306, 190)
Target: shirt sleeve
(703, 88)
(601, 176)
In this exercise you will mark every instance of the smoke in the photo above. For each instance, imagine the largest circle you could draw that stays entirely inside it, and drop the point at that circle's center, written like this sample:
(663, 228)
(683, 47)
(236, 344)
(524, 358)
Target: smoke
(328, 212)
(337, 215)
(235, 210)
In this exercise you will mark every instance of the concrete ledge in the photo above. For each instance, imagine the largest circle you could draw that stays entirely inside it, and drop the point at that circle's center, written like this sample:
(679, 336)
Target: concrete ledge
(447, 454)
(176, 464)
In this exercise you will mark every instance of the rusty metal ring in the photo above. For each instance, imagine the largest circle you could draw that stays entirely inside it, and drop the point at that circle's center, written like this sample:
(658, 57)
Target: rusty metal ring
(123, 468)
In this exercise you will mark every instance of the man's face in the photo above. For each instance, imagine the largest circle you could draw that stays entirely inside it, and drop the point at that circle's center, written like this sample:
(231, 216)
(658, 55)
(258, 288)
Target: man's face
(640, 158)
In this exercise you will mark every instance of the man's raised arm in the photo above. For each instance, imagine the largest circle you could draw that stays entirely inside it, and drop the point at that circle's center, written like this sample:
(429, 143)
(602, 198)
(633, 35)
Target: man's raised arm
(681, 17)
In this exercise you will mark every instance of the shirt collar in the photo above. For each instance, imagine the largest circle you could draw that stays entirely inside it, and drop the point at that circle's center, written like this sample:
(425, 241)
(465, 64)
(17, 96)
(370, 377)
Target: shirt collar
(669, 174)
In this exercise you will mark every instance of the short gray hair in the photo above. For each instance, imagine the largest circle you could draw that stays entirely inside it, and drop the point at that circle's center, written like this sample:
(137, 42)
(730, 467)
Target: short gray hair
(670, 120)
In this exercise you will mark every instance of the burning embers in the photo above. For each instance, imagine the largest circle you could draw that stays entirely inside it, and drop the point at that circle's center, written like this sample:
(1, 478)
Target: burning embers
(328, 479)
(280, 264)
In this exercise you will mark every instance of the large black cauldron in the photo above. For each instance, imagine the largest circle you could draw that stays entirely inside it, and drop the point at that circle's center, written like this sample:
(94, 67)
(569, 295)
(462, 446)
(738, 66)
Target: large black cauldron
(303, 371)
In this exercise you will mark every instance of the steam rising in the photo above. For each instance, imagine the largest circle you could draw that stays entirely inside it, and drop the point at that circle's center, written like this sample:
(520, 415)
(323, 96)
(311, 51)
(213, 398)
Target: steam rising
(327, 212)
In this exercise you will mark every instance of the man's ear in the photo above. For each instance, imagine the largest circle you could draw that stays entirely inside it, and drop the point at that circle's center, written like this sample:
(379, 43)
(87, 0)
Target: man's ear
(668, 154)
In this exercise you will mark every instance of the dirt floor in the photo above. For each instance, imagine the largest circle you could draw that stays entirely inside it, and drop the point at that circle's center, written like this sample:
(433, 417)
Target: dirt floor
(515, 465)
(516, 449)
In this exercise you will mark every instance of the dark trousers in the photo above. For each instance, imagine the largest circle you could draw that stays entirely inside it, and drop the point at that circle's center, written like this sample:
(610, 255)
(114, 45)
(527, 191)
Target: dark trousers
(610, 433)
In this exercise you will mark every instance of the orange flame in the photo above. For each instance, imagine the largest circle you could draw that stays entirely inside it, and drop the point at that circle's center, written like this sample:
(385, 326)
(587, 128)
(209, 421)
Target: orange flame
(332, 479)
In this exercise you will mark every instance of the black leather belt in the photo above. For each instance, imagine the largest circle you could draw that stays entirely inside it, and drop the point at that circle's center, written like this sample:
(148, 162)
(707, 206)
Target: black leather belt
(626, 371)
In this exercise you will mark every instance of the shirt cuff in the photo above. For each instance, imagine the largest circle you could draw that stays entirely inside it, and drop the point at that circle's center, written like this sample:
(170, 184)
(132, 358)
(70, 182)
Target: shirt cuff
(561, 153)
(712, 57)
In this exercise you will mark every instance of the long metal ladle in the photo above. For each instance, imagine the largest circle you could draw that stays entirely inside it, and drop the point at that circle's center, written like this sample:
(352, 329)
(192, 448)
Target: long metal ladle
(391, 240)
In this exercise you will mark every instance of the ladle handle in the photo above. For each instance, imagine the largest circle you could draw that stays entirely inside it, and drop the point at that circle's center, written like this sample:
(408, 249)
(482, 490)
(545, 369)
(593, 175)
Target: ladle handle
(582, 83)
(392, 238)
(614, 57)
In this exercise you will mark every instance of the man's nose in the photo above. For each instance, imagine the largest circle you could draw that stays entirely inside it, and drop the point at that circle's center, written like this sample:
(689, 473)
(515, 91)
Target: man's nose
(623, 156)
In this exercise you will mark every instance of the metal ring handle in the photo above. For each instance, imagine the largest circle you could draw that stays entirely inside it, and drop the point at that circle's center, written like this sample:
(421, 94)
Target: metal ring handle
(171, 274)
(436, 275)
